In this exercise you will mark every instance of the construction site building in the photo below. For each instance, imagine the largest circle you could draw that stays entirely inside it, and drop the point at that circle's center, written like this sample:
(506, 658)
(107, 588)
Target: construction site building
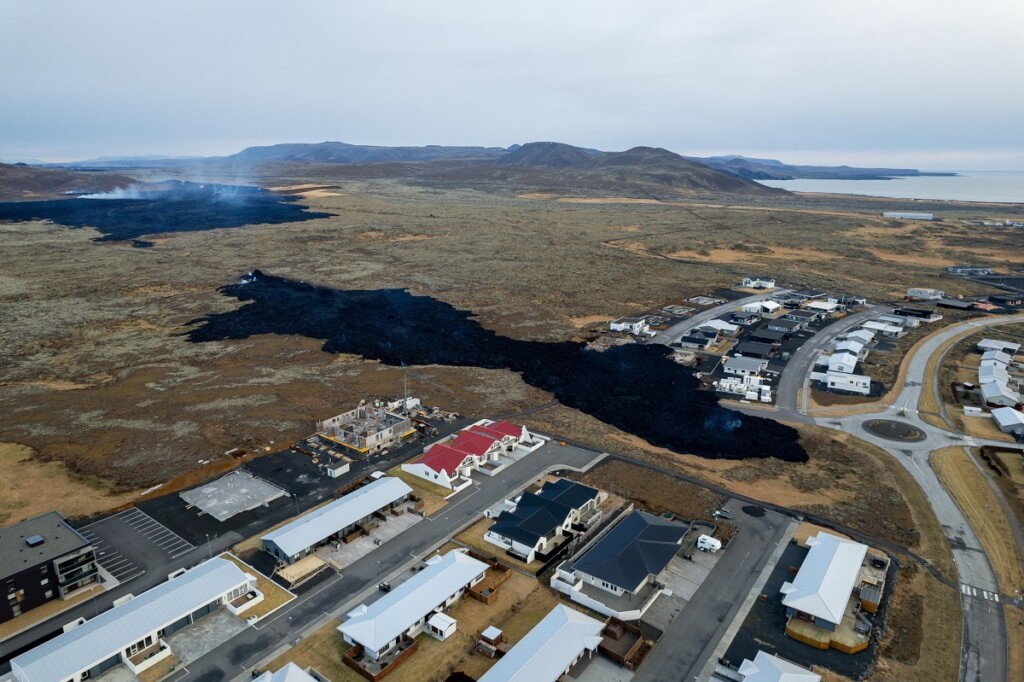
(371, 427)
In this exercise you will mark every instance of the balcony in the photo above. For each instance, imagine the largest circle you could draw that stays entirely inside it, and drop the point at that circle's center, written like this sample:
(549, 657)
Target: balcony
(148, 657)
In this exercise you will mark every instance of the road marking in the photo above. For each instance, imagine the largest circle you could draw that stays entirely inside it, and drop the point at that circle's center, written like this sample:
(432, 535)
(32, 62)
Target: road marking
(970, 591)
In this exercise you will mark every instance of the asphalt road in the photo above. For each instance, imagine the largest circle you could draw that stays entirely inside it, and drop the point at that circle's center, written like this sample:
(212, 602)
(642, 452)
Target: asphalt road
(691, 638)
(673, 333)
(340, 594)
(799, 365)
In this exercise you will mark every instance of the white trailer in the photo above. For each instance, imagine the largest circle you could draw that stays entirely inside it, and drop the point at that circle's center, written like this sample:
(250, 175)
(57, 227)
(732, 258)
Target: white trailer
(706, 543)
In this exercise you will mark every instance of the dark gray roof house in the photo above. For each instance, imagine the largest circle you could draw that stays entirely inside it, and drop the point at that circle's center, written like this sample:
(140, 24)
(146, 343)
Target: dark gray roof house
(638, 547)
(538, 514)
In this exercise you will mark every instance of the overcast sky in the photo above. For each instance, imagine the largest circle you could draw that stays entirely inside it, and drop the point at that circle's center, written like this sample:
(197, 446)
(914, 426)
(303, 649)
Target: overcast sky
(922, 83)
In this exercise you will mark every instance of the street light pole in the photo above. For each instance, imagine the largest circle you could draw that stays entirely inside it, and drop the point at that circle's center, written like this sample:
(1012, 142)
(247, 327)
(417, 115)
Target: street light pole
(209, 548)
(295, 496)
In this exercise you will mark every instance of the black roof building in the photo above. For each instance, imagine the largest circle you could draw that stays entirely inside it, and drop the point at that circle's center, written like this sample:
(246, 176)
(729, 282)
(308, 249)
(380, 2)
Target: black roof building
(639, 546)
(37, 541)
(753, 349)
(538, 514)
(784, 325)
(767, 335)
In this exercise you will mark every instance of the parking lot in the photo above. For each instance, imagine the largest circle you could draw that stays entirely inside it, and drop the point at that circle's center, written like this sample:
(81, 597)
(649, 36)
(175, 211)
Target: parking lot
(130, 543)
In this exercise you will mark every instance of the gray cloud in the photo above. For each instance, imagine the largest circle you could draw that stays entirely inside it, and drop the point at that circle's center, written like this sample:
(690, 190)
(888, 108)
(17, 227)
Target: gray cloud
(926, 83)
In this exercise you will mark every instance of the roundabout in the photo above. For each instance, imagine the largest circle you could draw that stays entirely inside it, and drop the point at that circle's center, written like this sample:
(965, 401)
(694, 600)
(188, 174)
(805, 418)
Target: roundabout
(898, 431)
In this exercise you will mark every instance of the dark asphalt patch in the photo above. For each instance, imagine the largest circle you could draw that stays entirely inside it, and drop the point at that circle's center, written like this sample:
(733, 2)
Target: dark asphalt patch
(751, 510)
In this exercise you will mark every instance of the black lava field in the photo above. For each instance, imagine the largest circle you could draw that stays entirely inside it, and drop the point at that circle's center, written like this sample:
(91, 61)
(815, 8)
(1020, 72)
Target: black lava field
(636, 388)
(126, 215)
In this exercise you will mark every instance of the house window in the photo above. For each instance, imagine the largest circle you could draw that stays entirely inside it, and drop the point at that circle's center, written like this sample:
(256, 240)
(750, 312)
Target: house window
(44, 581)
(48, 594)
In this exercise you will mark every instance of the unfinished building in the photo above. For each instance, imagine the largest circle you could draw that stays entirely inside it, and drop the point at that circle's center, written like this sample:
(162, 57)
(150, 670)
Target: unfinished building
(370, 428)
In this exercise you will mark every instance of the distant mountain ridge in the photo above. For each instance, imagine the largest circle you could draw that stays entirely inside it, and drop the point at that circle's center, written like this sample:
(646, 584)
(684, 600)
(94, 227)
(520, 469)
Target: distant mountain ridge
(20, 182)
(773, 169)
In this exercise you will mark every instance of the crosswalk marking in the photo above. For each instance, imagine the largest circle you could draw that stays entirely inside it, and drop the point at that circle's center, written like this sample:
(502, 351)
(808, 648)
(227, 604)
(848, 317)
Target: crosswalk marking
(970, 591)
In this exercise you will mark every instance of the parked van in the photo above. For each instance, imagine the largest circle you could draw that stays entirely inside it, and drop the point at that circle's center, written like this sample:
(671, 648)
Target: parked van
(706, 543)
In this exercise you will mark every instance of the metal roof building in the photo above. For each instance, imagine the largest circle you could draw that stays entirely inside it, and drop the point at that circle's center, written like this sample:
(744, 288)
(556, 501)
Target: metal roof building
(825, 581)
(550, 649)
(107, 635)
(379, 625)
(310, 529)
(768, 668)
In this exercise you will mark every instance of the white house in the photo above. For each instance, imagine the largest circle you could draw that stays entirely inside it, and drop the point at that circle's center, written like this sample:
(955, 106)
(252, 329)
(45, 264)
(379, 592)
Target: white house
(994, 344)
(744, 366)
(996, 357)
(900, 320)
(863, 336)
(758, 282)
(822, 587)
(406, 609)
(824, 307)
(999, 394)
(538, 521)
(842, 381)
(768, 668)
(1009, 420)
(720, 327)
(845, 363)
(133, 633)
(765, 306)
(483, 444)
(852, 346)
(550, 649)
(889, 330)
(297, 539)
(924, 294)
(637, 326)
(990, 373)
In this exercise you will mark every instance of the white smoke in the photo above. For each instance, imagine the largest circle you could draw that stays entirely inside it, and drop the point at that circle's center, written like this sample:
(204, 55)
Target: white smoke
(131, 192)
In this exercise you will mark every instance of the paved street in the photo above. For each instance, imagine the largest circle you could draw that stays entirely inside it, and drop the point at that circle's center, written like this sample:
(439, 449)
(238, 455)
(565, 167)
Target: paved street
(691, 638)
(672, 334)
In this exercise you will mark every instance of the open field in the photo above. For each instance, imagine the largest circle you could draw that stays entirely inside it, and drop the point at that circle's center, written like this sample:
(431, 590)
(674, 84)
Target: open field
(107, 319)
(30, 486)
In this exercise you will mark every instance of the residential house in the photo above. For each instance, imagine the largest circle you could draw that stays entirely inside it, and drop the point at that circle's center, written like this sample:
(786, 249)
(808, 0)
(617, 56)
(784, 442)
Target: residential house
(134, 632)
(483, 446)
(993, 372)
(695, 342)
(753, 349)
(804, 317)
(888, 330)
(766, 306)
(758, 282)
(405, 611)
(955, 304)
(783, 325)
(550, 649)
(1009, 420)
(744, 366)
(768, 336)
(768, 668)
(998, 393)
(924, 294)
(900, 320)
(299, 538)
(923, 314)
(824, 584)
(43, 559)
(368, 429)
(995, 357)
(995, 344)
(538, 522)
(844, 381)
(825, 308)
(721, 327)
(745, 317)
(852, 346)
(863, 336)
(637, 326)
(808, 294)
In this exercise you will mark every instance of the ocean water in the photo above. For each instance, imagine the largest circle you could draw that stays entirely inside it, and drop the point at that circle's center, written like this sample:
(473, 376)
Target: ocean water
(997, 186)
